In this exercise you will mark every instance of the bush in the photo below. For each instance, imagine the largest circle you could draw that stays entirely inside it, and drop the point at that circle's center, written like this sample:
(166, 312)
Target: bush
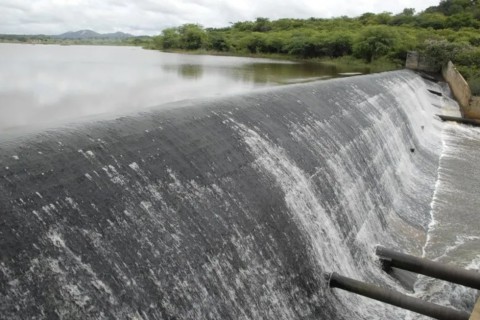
(218, 42)
(303, 47)
(468, 57)
(374, 42)
(254, 42)
(471, 73)
(474, 84)
(337, 45)
(169, 39)
(431, 20)
(440, 52)
(192, 36)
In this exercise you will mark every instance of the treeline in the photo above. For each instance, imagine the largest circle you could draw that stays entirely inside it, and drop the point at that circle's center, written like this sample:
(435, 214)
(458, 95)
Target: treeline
(47, 39)
(447, 31)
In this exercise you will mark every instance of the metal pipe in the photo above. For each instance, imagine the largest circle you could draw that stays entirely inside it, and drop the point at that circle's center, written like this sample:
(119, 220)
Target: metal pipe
(473, 122)
(395, 298)
(468, 278)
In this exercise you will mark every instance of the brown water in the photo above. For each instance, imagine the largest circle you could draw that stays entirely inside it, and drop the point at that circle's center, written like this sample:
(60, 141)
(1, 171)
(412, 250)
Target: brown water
(51, 84)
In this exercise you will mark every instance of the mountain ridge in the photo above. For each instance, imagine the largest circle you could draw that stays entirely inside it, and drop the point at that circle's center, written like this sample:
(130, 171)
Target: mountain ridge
(90, 34)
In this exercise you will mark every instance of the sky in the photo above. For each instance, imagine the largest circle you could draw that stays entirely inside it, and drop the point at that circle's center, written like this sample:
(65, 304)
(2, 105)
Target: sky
(149, 17)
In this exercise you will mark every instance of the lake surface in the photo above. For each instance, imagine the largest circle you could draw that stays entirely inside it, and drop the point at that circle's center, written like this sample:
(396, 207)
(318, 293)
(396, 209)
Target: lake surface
(51, 84)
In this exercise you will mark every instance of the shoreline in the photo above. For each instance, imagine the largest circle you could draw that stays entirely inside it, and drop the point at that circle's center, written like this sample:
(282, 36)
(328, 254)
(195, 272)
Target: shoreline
(379, 65)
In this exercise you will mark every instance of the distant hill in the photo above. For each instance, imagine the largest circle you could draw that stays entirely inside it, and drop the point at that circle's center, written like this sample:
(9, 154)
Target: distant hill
(89, 34)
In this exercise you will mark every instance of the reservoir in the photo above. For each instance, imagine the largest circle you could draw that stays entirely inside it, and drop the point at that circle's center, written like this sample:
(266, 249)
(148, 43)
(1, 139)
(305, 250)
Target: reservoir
(46, 84)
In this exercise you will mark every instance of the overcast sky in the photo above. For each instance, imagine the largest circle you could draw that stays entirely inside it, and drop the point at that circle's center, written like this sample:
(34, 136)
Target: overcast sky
(151, 16)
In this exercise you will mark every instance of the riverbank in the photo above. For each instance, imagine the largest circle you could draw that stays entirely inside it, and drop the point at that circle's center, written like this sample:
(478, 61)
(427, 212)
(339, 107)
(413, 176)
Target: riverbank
(345, 63)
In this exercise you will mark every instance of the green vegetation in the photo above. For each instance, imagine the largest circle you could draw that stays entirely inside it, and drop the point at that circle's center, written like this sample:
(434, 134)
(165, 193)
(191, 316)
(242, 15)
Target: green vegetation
(46, 39)
(449, 31)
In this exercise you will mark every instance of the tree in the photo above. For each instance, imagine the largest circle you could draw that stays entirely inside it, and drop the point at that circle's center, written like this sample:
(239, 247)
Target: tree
(218, 42)
(367, 18)
(262, 25)
(383, 18)
(243, 25)
(300, 47)
(170, 39)
(460, 20)
(254, 42)
(469, 56)
(374, 42)
(406, 17)
(440, 52)
(451, 7)
(433, 20)
(337, 45)
(409, 12)
(275, 42)
(192, 36)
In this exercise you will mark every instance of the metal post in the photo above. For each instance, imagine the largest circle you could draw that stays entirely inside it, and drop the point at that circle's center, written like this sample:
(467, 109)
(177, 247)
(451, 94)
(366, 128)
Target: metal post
(395, 298)
(468, 278)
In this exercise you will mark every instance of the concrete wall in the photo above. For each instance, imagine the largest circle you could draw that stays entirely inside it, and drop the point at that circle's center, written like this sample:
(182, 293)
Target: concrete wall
(418, 62)
(473, 110)
(458, 85)
(476, 311)
(412, 60)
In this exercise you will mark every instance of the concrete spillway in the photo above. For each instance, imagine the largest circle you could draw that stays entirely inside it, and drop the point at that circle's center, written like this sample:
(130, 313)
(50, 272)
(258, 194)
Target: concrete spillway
(223, 209)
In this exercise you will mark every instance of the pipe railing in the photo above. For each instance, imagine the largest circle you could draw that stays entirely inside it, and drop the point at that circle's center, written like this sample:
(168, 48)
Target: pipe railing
(391, 258)
(395, 298)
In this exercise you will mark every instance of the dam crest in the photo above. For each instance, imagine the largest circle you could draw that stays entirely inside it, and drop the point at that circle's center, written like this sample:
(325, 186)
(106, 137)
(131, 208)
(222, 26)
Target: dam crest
(229, 208)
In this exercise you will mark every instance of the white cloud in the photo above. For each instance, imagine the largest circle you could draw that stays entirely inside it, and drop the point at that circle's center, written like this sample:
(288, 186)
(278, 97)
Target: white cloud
(150, 16)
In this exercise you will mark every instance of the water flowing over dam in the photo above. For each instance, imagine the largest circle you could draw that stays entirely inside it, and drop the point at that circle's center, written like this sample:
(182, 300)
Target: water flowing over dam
(229, 208)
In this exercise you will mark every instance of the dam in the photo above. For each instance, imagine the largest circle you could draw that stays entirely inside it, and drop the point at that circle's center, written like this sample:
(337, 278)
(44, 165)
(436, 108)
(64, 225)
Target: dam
(234, 207)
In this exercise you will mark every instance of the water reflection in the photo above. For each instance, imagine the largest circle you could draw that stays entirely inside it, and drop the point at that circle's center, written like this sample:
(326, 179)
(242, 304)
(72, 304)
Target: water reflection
(191, 71)
(271, 72)
(55, 84)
